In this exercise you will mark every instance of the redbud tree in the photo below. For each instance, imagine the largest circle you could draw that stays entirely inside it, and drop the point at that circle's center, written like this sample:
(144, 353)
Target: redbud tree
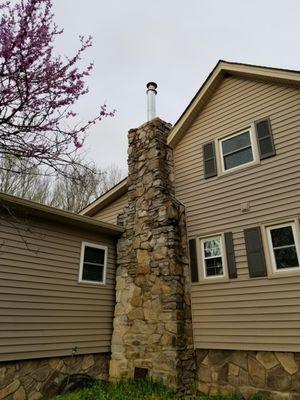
(38, 89)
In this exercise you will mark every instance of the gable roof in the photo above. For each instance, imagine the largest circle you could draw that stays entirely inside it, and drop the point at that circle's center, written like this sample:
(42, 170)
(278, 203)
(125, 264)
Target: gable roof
(221, 70)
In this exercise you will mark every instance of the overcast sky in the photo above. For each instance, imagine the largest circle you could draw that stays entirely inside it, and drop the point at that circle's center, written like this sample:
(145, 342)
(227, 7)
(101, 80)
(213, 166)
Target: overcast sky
(175, 43)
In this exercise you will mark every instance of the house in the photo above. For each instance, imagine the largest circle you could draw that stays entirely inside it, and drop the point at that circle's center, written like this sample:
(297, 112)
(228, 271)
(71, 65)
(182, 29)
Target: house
(56, 308)
(204, 237)
(237, 172)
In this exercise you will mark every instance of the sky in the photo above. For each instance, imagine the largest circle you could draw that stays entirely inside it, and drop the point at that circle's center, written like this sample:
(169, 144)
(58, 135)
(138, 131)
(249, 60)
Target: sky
(175, 43)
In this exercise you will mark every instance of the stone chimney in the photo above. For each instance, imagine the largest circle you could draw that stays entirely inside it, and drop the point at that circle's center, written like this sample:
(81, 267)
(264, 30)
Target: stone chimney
(152, 323)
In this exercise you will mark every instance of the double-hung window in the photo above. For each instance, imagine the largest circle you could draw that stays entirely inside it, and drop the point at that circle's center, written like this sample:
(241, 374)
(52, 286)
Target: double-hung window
(284, 247)
(93, 263)
(237, 150)
(212, 257)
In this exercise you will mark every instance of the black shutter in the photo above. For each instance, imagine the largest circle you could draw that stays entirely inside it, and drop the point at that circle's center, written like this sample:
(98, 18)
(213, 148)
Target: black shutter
(230, 255)
(265, 139)
(193, 260)
(209, 160)
(255, 252)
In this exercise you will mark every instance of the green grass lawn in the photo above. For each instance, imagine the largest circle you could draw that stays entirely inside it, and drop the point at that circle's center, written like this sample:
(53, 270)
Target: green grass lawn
(129, 390)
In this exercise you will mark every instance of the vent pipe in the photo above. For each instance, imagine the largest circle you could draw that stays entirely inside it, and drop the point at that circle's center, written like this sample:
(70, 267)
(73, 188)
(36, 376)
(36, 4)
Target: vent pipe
(151, 93)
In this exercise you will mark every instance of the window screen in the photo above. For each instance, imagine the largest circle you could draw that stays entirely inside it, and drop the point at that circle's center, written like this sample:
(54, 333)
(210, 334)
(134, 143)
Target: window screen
(93, 264)
(212, 257)
(237, 150)
(284, 248)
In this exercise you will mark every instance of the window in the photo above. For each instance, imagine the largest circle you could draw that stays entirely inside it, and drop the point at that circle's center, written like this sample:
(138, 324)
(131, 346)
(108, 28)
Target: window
(284, 248)
(93, 263)
(212, 257)
(237, 150)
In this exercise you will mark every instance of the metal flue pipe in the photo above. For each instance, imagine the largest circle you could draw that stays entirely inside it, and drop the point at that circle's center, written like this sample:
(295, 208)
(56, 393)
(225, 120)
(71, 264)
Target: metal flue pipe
(151, 93)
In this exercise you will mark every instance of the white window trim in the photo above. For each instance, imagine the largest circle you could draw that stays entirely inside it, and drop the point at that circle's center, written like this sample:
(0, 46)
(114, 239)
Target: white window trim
(295, 227)
(202, 272)
(96, 246)
(253, 142)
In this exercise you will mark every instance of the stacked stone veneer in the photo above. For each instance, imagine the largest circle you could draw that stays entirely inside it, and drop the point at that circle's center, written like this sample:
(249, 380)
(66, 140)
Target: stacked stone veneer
(33, 379)
(246, 373)
(152, 324)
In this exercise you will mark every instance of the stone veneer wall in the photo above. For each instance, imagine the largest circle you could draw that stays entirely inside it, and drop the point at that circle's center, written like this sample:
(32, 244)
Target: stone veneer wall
(33, 379)
(246, 373)
(152, 323)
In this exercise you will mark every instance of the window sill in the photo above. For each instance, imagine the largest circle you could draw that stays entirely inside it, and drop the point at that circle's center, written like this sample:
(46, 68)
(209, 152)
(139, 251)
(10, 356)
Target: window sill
(284, 274)
(211, 281)
(88, 283)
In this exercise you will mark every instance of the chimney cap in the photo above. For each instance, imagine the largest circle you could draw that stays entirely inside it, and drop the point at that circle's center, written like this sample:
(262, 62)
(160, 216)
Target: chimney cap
(153, 84)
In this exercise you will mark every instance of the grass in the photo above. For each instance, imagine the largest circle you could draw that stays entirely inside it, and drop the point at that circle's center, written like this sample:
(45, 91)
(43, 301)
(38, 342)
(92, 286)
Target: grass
(130, 390)
(123, 390)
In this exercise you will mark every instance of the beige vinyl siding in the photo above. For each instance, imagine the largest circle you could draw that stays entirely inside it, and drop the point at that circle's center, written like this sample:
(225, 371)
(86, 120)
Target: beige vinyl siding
(44, 311)
(111, 212)
(243, 313)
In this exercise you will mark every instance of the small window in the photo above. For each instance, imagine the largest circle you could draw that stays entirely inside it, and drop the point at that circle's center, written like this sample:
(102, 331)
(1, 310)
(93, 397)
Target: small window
(237, 150)
(284, 248)
(93, 263)
(212, 257)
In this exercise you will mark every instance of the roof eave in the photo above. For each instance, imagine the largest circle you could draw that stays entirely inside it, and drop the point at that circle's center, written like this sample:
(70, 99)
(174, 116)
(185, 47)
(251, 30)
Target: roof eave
(58, 215)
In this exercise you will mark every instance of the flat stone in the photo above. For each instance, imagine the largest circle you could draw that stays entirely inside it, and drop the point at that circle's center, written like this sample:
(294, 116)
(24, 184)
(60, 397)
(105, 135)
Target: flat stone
(278, 379)
(150, 314)
(205, 360)
(56, 363)
(219, 357)
(35, 395)
(136, 313)
(287, 360)
(143, 269)
(243, 378)
(161, 253)
(167, 339)
(200, 355)
(247, 392)
(233, 369)
(267, 359)
(203, 387)
(239, 358)
(88, 362)
(136, 301)
(13, 387)
(117, 368)
(296, 382)
(222, 374)
(257, 374)
(2, 375)
(41, 374)
(171, 327)
(20, 394)
(143, 257)
(204, 373)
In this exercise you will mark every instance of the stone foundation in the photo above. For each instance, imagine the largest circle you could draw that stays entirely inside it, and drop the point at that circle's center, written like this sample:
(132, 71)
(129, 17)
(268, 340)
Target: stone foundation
(33, 379)
(246, 373)
(152, 324)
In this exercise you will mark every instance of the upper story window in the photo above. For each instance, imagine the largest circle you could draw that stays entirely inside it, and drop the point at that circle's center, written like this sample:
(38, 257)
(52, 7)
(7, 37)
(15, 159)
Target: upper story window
(237, 150)
(284, 246)
(93, 263)
(212, 257)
